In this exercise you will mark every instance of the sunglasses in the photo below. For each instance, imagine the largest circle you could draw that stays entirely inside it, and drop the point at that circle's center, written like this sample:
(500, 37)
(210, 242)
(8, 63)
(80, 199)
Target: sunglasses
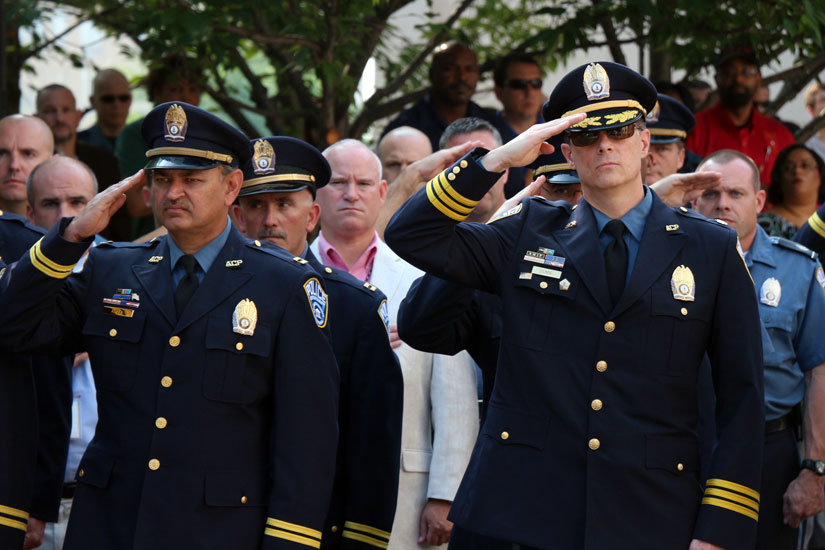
(583, 139)
(109, 99)
(522, 84)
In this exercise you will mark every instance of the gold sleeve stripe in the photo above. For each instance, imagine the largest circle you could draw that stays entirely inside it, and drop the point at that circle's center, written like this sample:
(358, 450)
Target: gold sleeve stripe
(711, 501)
(9, 511)
(13, 523)
(277, 533)
(367, 529)
(47, 266)
(364, 538)
(749, 502)
(293, 527)
(817, 224)
(455, 195)
(440, 189)
(730, 485)
(435, 201)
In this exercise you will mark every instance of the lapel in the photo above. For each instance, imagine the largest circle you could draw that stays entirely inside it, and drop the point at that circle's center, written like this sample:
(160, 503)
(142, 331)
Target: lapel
(580, 244)
(656, 251)
(761, 250)
(385, 271)
(219, 283)
(156, 280)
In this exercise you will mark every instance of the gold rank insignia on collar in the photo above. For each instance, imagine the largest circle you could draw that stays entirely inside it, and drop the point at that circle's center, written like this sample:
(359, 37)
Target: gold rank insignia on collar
(672, 227)
(155, 259)
(233, 263)
(570, 224)
(771, 292)
(175, 124)
(682, 284)
(264, 158)
(245, 317)
(596, 82)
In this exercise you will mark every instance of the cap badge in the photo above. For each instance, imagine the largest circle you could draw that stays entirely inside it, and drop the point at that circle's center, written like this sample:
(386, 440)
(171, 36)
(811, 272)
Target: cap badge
(682, 284)
(245, 317)
(653, 115)
(771, 292)
(596, 82)
(263, 158)
(175, 124)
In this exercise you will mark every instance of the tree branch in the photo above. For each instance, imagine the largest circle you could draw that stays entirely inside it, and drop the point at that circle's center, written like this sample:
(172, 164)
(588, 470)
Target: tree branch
(612, 37)
(258, 93)
(806, 132)
(67, 30)
(268, 38)
(368, 116)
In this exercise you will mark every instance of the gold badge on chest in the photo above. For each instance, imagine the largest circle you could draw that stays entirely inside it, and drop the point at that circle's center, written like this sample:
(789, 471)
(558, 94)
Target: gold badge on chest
(682, 284)
(245, 317)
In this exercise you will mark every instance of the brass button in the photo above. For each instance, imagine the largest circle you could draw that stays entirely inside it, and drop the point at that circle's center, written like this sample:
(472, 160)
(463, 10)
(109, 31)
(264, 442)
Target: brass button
(609, 326)
(174, 341)
(543, 284)
(243, 499)
(334, 529)
(456, 169)
(328, 269)
(166, 381)
(154, 464)
(113, 332)
(684, 311)
(160, 422)
(451, 177)
(239, 346)
(596, 404)
(601, 366)
(463, 164)
(81, 473)
(680, 466)
(594, 444)
(505, 435)
(683, 209)
(257, 242)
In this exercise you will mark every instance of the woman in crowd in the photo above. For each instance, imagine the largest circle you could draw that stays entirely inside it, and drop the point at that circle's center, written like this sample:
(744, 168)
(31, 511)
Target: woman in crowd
(797, 188)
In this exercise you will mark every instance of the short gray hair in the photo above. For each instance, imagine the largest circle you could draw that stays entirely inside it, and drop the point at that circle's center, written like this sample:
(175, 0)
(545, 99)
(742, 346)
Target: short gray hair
(468, 125)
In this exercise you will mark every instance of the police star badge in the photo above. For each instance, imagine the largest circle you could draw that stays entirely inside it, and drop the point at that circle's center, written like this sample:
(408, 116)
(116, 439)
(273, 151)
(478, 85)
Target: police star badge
(596, 82)
(682, 284)
(771, 292)
(175, 124)
(263, 159)
(318, 301)
(245, 317)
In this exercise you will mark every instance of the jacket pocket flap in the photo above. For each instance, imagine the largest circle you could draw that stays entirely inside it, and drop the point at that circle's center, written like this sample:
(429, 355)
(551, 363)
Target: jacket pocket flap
(115, 328)
(234, 489)
(511, 427)
(416, 461)
(670, 452)
(219, 335)
(95, 470)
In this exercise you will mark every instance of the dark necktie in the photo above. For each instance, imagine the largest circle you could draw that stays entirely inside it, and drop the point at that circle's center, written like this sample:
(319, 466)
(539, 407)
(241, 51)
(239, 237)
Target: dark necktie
(188, 285)
(615, 259)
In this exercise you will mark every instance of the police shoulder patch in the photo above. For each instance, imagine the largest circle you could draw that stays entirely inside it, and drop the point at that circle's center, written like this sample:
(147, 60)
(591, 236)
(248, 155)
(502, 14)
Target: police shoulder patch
(318, 301)
(384, 313)
(511, 212)
(820, 277)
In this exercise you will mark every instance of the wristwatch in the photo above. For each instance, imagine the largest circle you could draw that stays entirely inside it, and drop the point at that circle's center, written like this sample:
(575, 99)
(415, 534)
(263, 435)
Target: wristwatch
(817, 466)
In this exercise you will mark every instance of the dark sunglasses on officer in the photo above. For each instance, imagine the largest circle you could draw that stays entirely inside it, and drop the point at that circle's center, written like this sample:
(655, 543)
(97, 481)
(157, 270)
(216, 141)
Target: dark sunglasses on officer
(522, 84)
(589, 137)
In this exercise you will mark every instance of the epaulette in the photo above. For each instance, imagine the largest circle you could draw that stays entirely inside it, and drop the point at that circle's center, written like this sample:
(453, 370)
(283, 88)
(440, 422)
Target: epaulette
(690, 213)
(339, 276)
(20, 220)
(275, 251)
(128, 244)
(796, 247)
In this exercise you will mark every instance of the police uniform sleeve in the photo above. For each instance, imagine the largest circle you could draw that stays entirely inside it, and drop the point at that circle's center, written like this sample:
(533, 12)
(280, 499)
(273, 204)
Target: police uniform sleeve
(375, 391)
(729, 510)
(304, 435)
(426, 233)
(437, 316)
(812, 232)
(40, 298)
(808, 342)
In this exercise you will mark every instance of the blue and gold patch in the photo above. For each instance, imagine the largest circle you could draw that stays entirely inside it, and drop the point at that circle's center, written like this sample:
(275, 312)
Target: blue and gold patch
(318, 301)
(384, 313)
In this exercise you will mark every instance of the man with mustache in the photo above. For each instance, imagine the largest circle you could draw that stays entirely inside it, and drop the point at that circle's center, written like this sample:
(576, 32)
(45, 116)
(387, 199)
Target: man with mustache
(25, 142)
(734, 123)
(453, 79)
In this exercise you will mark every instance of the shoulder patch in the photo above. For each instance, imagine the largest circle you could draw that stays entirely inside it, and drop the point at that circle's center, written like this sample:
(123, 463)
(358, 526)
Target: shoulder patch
(511, 212)
(820, 277)
(384, 314)
(791, 245)
(318, 301)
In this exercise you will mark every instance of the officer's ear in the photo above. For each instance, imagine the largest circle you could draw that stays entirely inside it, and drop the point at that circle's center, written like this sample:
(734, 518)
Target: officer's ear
(567, 152)
(234, 181)
(761, 197)
(236, 213)
(645, 135)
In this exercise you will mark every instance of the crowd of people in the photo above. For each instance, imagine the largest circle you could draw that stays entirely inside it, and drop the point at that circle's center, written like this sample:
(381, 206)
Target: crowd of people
(586, 321)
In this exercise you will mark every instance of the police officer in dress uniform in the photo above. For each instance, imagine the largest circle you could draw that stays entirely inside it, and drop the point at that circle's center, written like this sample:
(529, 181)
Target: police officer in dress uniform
(276, 204)
(217, 426)
(669, 123)
(18, 405)
(590, 438)
(812, 233)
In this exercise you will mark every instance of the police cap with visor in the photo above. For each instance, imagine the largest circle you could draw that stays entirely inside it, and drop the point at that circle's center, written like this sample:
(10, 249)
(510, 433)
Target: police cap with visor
(554, 167)
(282, 164)
(669, 121)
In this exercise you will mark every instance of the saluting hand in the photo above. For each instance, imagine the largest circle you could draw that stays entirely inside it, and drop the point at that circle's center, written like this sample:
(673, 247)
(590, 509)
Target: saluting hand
(697, 544)
(96, 215)
(530, 191)
(527, 146)
(678, 189)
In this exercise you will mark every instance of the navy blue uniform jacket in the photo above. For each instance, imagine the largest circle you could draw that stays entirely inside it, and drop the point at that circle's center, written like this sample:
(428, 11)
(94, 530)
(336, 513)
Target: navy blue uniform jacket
(369, 419)
(206, 438)
(590, 440)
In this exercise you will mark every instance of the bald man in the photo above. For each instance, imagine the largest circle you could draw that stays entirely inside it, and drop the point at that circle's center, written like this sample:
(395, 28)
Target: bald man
(25, 142)
(111, 98)
(401, 147)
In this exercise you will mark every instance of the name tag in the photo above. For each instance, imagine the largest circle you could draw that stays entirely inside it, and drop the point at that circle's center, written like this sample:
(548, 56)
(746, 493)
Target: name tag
(546, 272)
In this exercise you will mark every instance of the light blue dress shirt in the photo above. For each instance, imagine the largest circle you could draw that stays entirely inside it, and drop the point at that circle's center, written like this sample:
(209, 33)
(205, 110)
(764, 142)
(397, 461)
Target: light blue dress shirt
(205, 256)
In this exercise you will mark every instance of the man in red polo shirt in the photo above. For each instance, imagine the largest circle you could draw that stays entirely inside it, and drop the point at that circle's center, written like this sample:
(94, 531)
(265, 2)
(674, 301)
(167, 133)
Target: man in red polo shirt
(733, 123)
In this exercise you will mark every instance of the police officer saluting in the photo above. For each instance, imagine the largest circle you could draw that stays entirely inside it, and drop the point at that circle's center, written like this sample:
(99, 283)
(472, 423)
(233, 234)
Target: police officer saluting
(277, 204)
(217, 428)
(590, 440)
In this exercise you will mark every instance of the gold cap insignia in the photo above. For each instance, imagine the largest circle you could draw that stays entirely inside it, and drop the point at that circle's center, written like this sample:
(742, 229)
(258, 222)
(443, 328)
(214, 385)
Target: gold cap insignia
(682, 284)
(771, 292)
(653, 115)
(175, 123)
(596, 83)
(264, 158)
(245, 317)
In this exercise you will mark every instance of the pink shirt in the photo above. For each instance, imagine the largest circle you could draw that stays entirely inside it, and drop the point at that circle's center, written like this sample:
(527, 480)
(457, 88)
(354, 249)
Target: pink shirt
(361, 269)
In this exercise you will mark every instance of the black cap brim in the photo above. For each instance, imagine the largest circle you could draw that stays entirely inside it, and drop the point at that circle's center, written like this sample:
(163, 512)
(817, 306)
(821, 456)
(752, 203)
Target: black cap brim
(275, 188)
(664, 139)
(180, 162)
(564, 178)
